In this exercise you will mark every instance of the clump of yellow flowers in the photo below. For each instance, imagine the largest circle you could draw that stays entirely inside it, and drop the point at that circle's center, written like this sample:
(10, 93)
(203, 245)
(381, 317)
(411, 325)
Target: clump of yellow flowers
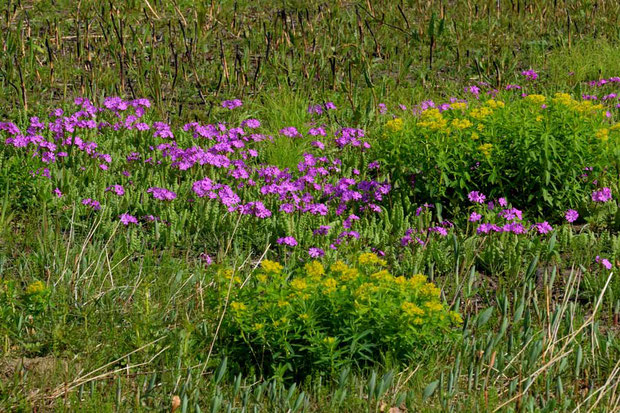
(35, 288)
(394, 125)
(434, 120)
(310, 310)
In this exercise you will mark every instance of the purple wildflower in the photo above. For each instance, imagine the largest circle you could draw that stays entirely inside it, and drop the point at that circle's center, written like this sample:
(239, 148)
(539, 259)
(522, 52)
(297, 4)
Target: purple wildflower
(315, 252)
(162, 194)
(95, 205)
(511, 214)
(474, 217)
(251, 123)
(291, 132)
(476, 197)
(571, 215)
(530, 74)
(602, 195)
(206, 258)
(117, 189)
(543, 227)
(290, 241)
(604, 262)
(127, 219)
(322, 230)
(232, 104)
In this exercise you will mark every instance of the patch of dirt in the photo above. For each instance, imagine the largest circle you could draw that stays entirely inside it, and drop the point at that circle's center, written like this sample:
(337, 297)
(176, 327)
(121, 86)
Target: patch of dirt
(37, 366)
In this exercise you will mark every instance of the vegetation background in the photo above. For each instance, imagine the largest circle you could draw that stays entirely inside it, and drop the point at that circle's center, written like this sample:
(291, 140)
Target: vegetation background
(140, 336)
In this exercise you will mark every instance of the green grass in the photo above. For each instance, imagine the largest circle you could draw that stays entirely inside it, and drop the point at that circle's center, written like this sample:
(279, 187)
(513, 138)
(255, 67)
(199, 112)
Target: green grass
(187, 57)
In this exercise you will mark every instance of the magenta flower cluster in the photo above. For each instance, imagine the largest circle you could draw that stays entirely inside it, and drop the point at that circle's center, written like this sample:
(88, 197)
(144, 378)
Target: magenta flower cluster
(324, 185)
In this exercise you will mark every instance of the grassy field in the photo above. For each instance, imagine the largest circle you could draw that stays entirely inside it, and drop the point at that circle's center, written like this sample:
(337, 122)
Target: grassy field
(310, 206)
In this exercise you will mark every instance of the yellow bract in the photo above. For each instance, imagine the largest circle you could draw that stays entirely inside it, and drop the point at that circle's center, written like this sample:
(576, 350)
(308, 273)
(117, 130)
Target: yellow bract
(584, 106)
(410, 309)
(537, 99)
(480, 113)
(461, 123)
(456, 317)
(273, 267)
(486, 149)
(238, 307)
(434, 120)
(370, 258)
(382, 275)
(299, 284)
(349, 274)
(430, 290)
(394, 125)
(602, 134)
(495, 103)
(339, 266)
(330, 285)
(35, 288)
(314, 269)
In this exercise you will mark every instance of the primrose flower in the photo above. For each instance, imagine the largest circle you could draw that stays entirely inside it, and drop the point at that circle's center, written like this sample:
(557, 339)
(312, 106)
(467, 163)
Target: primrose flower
(232, 104)
(530, 74)
(291, 132)
(440, 230)
(474, 90)
(251, 123)
(543, 227)
(514, 227)
(95, 205)
(117, 189)
(162, 194)
(604, 262)
(602, 195)
(127, 219)
(511, 214)
(315, 252)
(571, 215)
(290, 241)
(474, 217)
(476, 197)
(58, 193)
(317, 132)
(322, 230)
(349, 234)
(318, 144)
(206, 258)
(315, 109)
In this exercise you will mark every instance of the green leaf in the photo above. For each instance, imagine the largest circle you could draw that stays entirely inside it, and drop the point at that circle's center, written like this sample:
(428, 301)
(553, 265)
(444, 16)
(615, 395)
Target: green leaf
(430, 389)
(484, 317)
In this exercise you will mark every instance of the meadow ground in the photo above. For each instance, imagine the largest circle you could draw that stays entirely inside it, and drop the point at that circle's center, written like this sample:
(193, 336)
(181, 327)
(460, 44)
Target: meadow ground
(310, 206)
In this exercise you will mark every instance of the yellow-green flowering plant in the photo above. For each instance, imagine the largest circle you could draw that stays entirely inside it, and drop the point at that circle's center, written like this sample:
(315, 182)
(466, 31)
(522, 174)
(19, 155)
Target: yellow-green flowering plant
(319, 317)
(534, 149)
